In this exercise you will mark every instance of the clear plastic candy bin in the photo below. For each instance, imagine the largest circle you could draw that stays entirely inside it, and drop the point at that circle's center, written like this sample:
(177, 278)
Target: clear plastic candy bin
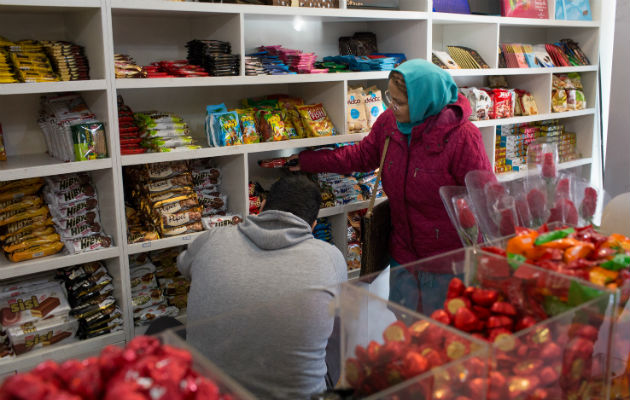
(619, 360)
(377, 350)
(550, 342)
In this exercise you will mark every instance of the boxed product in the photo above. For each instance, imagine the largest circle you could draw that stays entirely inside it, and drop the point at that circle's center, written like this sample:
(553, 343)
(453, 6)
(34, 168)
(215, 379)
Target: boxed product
(42, 333)
(42, 302)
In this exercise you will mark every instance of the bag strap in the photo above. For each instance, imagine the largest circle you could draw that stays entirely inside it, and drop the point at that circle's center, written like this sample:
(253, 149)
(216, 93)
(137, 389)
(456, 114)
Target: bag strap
(378, 178)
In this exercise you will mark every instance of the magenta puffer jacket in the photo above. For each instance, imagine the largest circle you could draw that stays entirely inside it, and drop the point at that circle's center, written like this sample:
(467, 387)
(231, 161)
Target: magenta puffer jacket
(442, 150)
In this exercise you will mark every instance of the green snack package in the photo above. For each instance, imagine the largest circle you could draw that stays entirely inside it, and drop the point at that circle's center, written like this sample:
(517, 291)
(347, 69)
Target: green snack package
(89, 141)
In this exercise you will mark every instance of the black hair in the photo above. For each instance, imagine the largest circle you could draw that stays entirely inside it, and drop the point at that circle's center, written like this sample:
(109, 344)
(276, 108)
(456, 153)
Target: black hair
(295, 194)
(399, 81)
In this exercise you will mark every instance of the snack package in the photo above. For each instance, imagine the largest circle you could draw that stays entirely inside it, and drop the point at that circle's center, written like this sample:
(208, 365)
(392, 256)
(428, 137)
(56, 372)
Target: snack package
(60, 183)
(89, 141)
(147, 298)
(169, 221)
(88, 243)
(213, 205)
(212, 109)
(288, 125)
(147, 315)
(271, 125)
(559, 100)
(36, 252)
(182, 181)
(42, 333)
(183, 229)
(225, 129)
(47, 301)
(374, 105)
(61, 198)
(357, 119)
(316, 121)
(501, 103)
(220, 221)
(74, 209)
(526, 103)
(480, 103)
(247, 120)
(3, 152)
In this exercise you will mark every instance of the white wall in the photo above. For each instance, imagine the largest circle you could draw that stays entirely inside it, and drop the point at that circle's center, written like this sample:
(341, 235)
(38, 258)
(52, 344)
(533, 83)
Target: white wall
(617, 144)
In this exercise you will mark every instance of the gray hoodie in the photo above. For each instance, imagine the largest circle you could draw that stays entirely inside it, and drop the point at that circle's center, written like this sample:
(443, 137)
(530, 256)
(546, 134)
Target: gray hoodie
(258, 282)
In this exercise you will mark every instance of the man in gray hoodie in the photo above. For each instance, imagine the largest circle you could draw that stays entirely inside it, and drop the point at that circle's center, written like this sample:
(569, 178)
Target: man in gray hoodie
(255, 306)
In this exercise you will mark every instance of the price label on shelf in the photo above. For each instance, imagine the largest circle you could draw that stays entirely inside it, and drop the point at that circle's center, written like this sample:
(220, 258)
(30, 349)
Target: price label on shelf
(186, 238)
(146, 244)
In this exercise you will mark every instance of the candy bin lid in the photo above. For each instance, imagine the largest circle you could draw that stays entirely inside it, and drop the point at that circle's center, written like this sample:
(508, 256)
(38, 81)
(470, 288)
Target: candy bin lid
(389, 352)
(550, 334)
(602, 264)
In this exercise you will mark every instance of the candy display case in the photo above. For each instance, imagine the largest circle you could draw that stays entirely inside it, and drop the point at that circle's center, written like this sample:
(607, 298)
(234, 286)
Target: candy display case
(549, 334)
(605, 265)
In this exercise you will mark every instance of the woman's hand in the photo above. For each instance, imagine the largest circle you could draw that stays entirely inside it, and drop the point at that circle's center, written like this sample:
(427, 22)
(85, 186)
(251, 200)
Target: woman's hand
(296, 167)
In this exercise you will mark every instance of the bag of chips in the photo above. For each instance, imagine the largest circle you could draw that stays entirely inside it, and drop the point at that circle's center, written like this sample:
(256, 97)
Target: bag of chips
(559, 100)
(271, 125)
(480, 103)
(225, 129)
(316, 120)
(374, 105)
(247, 120)
(357, 120)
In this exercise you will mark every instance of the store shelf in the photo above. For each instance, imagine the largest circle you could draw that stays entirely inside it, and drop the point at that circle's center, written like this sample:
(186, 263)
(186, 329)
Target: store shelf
(159, 244)
(350, 207)
(82, 349)
(10, 269)
(521, 71)
(36, 165)
(52, 87)
(533, 118)
(47, 5)
(154, 83)
(209, 152)
(510, 176)
(448, 18)
(126, 7)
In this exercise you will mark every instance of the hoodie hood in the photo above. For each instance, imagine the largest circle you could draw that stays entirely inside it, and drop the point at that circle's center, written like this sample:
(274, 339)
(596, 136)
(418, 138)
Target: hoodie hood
(273, 229)
(429, 89)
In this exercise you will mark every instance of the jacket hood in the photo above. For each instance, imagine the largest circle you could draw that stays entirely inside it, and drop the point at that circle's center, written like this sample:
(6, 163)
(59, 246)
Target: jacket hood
(273, 229)
(429, 89)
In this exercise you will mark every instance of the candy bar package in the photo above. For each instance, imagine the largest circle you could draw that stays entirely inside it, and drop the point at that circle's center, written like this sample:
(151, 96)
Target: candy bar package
(247, 120)
(89, 141)
(221, 221)
(271, 125)
(3, 152)
(163, 132)
(44, 302)
(225, 129)
(42, 333)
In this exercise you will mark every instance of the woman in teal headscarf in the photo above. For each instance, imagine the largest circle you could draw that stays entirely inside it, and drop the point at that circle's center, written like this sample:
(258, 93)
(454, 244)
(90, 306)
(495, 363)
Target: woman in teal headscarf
(432, 144)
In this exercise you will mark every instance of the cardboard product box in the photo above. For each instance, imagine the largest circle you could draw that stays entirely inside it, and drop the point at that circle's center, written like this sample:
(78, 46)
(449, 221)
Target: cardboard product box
(46, 301)
(42, 333)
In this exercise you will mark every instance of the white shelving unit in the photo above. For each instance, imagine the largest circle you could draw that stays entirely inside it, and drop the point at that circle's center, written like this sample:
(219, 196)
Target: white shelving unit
(152, 30)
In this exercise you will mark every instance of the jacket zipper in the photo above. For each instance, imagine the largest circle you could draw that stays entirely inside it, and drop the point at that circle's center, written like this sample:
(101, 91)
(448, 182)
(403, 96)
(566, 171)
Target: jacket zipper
(437, 234)
(415, 172)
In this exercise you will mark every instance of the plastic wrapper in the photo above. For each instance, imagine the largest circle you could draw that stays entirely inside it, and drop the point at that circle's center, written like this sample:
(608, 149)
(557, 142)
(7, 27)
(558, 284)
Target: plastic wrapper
(43, 333)
(90, 141)
(43, 302)
(88, 243)
(271, 125)
(316, 121)
(148, 315)
(357, 119)
(247, 120)
(480, 103)
(374, 106)
(225, 128)
(220, 221)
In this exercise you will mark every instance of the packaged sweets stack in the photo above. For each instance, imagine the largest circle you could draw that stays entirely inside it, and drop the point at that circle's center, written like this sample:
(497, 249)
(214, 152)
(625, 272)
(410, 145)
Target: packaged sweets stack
(30, 62)
(35, 314)
(3, 152)
(147, 298)
(207, 185)
(139, 229)
(296, 60)
(365, 63)
(564, 53)
(515, 139)
(128, 129)
(254, 66)
(353, 257)
(214, 56)
(567, 93)
(7, 72)
(332, 66)
(164, 132)
(173, 285)
(70, 129)
(272, 63)
(68, 59)
(466, 57)
(163, 193)
(173, 69)
(90, 291)
(345, 188)
(566, 142)
(73, 203)
(323, 230)
(26, 229)
(126, 67)
(366, 181)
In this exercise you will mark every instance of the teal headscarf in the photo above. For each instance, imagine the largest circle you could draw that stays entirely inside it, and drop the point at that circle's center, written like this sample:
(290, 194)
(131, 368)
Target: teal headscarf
(429, 90)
